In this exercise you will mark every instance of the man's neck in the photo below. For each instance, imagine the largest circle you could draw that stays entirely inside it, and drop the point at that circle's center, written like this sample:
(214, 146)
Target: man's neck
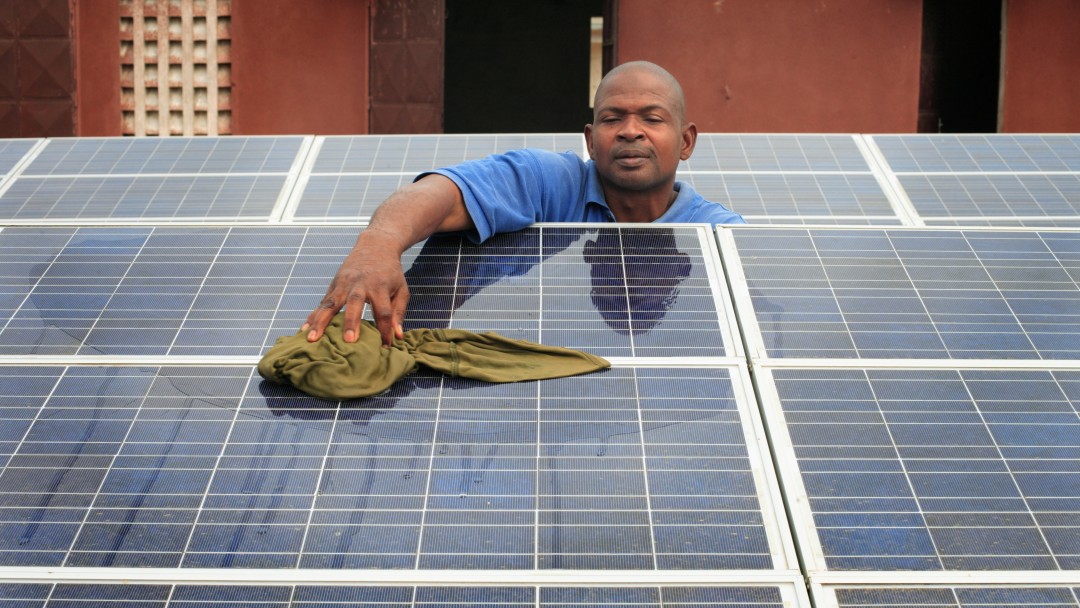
(640, 206)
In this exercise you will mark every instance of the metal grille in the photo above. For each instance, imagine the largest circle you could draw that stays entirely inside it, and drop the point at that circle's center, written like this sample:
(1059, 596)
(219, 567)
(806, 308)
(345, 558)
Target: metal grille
(175, 67)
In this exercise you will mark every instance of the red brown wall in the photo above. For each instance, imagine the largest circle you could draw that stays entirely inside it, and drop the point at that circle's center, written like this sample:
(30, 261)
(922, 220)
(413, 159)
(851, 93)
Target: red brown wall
(784, 65)
(300, 67)
(97, 67)
(37, 83)
(1042, 66)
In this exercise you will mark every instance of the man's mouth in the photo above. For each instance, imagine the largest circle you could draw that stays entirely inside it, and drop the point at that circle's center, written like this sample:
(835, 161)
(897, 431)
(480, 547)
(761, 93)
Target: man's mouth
(631, 158)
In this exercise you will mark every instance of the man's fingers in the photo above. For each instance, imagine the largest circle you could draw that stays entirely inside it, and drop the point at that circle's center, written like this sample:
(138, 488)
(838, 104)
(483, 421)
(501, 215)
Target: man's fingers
(399, 304)
(320, 317)
(354, 310)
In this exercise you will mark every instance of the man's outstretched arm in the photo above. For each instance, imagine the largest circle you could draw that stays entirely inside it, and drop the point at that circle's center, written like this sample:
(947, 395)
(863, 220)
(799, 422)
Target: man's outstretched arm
(372, 272)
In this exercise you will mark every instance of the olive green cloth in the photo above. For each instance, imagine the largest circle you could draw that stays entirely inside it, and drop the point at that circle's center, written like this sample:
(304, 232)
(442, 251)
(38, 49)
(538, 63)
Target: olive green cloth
(334, 369)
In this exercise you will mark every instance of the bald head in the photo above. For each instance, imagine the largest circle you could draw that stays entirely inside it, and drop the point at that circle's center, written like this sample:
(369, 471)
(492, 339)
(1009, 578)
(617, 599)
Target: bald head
(644, 74)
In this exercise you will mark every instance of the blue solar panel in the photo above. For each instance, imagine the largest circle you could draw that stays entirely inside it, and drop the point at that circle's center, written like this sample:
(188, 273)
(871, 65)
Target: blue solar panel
(775, 152)
(166, 155)
(955, 596)
(159, 198)
(993, 195)
(376, 596)
(347, 196)
(197, 467)
(915, 294)
(938, 469)
(233, 291)
(981, 153)
(819, 197)
(412, 154)
(12, 151)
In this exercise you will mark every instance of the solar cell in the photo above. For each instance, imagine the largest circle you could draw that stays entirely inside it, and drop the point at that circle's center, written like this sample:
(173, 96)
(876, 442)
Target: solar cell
(213, 467)
(153, 198)
(166, 155)
(234, 290)
(915, 294)
(935, 469)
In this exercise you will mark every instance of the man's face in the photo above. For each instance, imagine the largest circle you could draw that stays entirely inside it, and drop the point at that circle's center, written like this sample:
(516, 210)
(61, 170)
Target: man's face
(637, 137)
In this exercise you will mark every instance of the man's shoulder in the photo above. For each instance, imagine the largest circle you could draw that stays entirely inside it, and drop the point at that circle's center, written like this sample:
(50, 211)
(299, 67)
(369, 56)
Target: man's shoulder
(546, 157)
(697, 209)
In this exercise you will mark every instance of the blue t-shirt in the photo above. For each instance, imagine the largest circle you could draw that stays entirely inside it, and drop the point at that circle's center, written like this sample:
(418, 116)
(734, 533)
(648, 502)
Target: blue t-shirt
(508, 192)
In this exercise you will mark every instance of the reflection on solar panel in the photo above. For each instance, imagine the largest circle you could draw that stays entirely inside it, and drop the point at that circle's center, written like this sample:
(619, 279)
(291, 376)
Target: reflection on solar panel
(356, 596)
(195, 467)
(957, 597)
(938, 469)
(234, 290)
(918, 294)
(166, 155)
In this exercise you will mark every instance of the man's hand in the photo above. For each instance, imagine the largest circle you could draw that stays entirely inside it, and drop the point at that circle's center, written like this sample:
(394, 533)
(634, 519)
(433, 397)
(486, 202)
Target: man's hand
(371, 274)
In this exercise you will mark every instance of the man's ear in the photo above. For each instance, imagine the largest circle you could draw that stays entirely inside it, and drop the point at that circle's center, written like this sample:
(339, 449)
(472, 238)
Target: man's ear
(689, 140)
(588, 141)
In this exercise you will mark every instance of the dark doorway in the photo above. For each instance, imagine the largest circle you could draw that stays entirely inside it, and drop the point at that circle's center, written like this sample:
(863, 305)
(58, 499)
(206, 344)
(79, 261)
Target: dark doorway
(961, 66)
(518, 67)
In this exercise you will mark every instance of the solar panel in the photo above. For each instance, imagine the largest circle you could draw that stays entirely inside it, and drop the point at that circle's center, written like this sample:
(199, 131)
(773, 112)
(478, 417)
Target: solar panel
(214, 468)
(912, 294)
(990, 195)
(234, 290)
(981, 153)
(413, 154)
(985, 179)
(775, 152)
(935, 469)
(795, 195)
(12, 152)
(352, 197)
(166, 155)
(790, 178)
(375, 596)
(154, 198)
(919, 385)
(957, 596)
(349, 176)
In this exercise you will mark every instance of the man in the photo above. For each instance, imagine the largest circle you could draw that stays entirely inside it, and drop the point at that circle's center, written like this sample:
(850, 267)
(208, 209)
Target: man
(638, 136)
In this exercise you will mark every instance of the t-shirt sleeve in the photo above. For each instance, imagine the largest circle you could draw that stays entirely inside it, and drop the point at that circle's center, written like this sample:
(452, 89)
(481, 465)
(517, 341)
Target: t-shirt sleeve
(511, 191)
(715, 213)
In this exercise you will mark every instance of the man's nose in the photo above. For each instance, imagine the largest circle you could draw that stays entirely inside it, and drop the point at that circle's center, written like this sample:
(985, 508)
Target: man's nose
(631, 129)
